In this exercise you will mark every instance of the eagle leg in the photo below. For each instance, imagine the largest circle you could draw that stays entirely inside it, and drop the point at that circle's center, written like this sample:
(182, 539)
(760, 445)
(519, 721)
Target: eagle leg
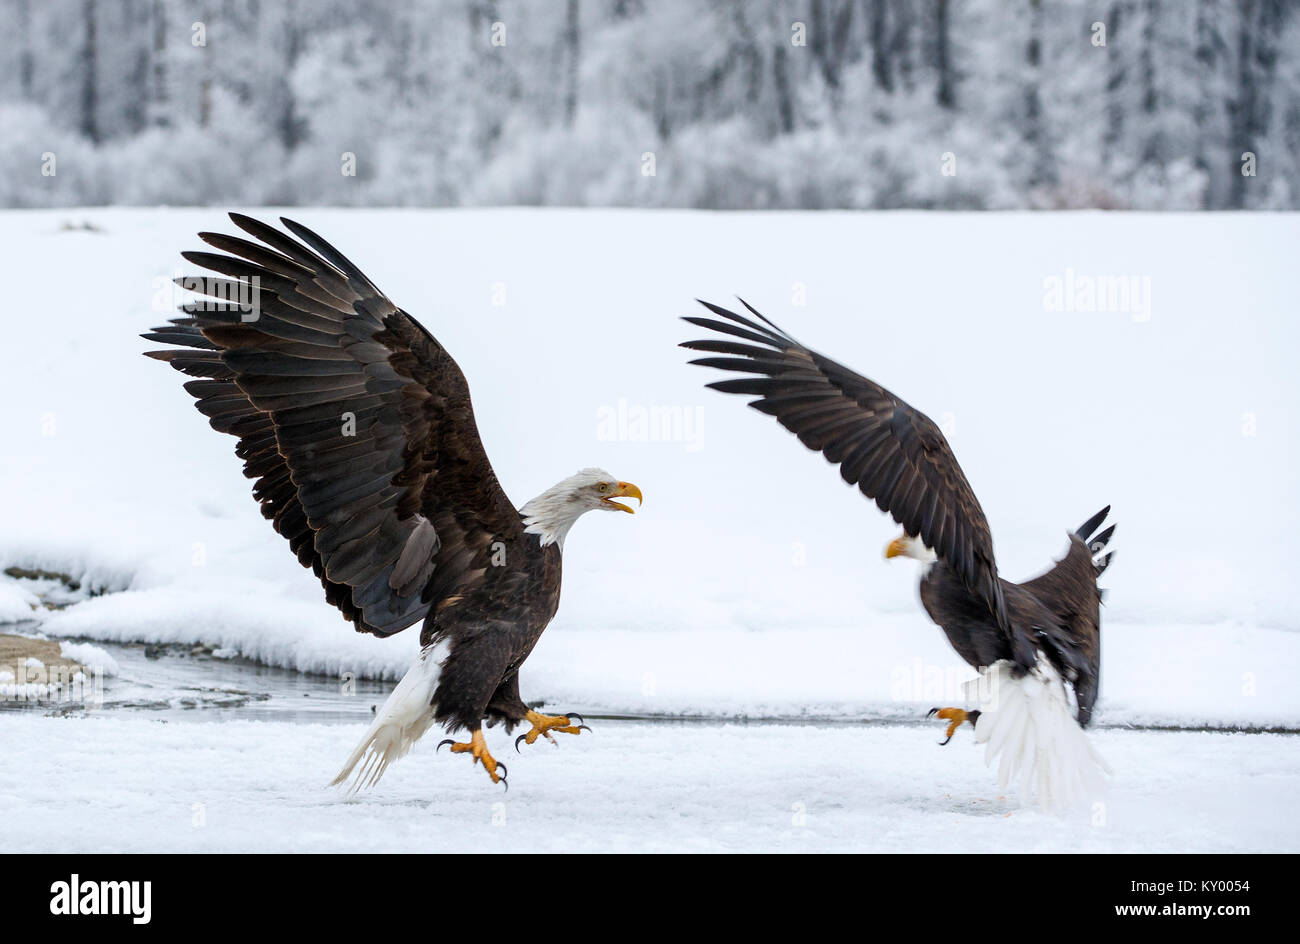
(477, 746)
(955, 717)
(543, 725)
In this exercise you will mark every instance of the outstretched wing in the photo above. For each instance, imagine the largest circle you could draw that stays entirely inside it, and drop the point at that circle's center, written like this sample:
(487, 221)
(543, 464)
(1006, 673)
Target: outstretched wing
(890, 451)
(354, 420)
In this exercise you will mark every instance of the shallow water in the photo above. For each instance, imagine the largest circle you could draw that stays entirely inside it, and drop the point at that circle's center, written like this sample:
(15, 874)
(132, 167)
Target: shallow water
(191, 684)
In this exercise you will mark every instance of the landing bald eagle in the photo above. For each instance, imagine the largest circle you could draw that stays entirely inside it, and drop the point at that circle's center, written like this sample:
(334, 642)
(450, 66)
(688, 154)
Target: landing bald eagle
(1028, 640)
(357, 426)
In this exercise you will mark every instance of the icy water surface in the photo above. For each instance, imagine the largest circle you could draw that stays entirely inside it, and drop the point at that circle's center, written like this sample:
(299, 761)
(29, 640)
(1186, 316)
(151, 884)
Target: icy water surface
(196, 683)
(191, 683)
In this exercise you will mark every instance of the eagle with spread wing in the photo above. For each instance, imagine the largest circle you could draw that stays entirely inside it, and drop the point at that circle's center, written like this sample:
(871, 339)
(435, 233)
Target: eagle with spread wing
(1029, 640)
(357, 427)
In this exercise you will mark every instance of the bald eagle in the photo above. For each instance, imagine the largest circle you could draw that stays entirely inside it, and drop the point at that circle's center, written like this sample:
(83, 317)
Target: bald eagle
(357, 427)
(1034, 643)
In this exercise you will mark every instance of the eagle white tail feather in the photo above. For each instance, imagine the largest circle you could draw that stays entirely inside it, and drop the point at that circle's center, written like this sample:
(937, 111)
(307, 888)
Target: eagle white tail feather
(1030, 729)
(403, 719)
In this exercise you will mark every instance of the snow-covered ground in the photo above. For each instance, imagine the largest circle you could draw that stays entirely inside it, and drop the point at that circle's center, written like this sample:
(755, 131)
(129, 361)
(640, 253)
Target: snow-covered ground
(258, 786)
(752, 582)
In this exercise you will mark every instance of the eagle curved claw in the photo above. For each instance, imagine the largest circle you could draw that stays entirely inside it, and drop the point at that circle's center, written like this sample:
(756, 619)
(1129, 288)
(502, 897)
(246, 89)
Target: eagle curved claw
(543, 725)
(955, 717)
(477, 747)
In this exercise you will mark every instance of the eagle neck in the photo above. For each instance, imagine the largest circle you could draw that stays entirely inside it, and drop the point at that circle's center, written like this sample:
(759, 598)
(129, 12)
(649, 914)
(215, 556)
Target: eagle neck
(551, 514)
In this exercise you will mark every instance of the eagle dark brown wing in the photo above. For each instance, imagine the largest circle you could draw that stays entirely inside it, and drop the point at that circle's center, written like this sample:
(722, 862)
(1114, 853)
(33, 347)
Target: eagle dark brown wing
(355, 422)
(1069, 589)
(890, 451)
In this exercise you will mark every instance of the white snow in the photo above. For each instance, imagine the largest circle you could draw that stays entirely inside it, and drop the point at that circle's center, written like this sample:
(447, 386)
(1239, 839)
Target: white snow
(259, 786)
(88, 654)
(16, 602)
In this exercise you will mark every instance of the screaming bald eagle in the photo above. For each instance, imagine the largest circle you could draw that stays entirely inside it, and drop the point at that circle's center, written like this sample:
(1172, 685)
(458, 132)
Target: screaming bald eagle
(357, 426)
(1027, 639)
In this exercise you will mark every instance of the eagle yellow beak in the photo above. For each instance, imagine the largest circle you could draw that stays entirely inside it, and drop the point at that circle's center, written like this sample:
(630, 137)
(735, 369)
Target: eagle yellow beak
(896, 548)
(625, 490)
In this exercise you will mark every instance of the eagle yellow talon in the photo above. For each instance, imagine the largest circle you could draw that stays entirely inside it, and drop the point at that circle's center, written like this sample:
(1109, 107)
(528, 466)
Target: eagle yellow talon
(543, 725)
(477, 746)
(955, 717)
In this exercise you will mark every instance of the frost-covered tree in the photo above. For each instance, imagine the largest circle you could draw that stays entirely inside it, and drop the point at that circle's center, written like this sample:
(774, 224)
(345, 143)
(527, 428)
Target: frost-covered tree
(736, 103)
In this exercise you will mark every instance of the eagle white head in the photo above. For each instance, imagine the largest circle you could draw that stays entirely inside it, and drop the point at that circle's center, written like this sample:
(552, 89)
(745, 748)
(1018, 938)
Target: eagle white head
(552, 513)
(906, 545)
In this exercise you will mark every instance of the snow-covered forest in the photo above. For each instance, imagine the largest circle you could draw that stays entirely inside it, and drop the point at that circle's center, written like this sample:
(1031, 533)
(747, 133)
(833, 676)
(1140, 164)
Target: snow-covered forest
(1144, 104)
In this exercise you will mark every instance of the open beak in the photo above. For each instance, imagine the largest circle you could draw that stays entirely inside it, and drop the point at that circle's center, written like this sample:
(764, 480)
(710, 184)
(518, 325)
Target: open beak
(896, 548)
(625, 490)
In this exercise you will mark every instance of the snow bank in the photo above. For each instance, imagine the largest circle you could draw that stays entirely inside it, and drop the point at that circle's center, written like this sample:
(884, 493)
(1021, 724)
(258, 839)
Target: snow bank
(17, 603)
(89, 655)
